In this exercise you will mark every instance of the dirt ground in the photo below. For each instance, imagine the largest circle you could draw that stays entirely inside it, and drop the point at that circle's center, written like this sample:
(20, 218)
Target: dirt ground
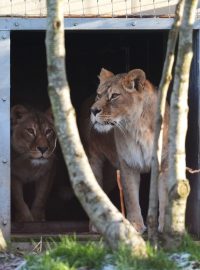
(10, 261)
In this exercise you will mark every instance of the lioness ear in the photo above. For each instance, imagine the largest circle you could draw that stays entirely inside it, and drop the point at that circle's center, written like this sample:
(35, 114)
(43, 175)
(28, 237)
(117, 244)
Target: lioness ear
(49, 114)
(18, 112)
(135, 79)
(104, 75)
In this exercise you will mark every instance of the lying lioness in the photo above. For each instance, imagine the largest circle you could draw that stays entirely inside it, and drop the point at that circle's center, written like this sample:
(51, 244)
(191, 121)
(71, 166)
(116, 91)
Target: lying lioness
(122, 130)
(33, 160)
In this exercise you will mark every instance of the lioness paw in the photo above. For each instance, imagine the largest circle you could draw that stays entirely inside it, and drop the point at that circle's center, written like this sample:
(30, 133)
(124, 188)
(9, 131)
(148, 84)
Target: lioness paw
(38, 215)
(23, 217)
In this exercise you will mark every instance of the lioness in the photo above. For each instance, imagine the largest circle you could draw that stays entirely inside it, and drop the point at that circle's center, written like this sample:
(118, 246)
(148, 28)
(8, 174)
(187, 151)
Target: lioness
(33, 143)
(123, 123)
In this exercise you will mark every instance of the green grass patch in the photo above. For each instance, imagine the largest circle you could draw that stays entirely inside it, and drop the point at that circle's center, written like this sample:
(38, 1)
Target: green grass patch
(191, 246)
(155, 260)
(70, 254)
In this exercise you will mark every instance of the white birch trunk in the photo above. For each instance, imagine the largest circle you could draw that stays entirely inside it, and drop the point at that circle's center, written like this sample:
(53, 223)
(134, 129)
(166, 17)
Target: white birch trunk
(178, 185)
(3, 244)
(158, 138)
(107, 219)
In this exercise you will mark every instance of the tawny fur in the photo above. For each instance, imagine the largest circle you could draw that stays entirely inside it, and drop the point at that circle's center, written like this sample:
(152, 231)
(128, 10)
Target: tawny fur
(122, 130)
(33, 160)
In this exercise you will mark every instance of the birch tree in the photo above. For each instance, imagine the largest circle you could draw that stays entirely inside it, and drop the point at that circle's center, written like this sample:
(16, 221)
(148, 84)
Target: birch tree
(158, 138)
(107, 219)
(178, 185)
(3, 245)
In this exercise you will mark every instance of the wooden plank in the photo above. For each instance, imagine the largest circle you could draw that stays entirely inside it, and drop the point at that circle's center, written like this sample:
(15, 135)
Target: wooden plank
(41, 242)
(49, 228)
(27, 238)
(5, 133)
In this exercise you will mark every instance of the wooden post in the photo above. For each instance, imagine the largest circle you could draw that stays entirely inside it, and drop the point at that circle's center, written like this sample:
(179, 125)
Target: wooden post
(121, 195)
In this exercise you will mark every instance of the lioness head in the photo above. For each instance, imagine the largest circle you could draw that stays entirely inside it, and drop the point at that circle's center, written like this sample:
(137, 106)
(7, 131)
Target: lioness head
(119, 98)
(33, 134)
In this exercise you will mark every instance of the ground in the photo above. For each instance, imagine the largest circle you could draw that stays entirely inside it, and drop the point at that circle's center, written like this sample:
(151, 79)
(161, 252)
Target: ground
(70, 254)
(9, 261)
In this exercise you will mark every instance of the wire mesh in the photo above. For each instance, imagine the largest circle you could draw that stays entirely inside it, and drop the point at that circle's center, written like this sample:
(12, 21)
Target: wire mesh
(92, 8)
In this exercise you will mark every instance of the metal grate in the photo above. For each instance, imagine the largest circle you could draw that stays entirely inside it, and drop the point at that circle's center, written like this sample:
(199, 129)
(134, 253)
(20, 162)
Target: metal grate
(91, 8)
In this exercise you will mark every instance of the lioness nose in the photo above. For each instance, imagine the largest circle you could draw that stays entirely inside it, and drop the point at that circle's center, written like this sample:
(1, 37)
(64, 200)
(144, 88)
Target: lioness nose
(42, 149)
(95, 111)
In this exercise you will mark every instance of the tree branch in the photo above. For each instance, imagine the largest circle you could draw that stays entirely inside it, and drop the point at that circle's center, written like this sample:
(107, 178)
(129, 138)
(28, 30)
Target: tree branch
(177, 182)
(106, 218)
(3, 244)
(158, 137)
(192, 171)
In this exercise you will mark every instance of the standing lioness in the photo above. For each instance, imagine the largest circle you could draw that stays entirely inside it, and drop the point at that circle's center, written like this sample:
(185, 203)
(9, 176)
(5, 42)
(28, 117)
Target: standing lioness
(124, 111)
(33, 160)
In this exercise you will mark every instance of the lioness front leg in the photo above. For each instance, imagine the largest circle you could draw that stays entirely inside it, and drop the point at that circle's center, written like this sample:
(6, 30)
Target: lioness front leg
(42, 189)
(96, 163)
(131, 185)
(22, 212)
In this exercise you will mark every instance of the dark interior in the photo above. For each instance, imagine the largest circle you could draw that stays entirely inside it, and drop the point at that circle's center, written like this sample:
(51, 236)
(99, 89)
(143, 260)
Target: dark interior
(87, 53)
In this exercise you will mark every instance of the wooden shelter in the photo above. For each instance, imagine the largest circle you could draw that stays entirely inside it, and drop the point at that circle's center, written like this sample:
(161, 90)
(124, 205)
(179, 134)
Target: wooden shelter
(114, 34)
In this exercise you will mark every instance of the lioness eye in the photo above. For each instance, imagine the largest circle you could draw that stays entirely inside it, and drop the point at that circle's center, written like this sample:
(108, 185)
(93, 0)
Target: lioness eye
(115, 95)
(31, 131)
(48, 131)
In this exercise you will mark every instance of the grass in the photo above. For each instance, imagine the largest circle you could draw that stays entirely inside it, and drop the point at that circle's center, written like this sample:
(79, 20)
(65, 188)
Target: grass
(69, 254)
(190, 246)
(155, 260)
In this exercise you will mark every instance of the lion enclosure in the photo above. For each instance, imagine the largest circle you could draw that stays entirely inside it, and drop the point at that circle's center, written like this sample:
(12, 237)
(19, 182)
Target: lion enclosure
(117, 35)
